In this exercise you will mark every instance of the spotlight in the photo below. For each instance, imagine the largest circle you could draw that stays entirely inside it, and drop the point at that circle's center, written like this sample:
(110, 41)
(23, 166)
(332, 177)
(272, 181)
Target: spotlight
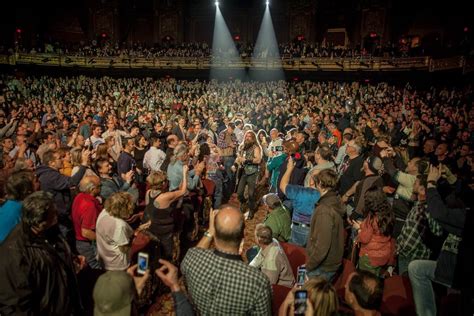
(267, 2)
(216, 3)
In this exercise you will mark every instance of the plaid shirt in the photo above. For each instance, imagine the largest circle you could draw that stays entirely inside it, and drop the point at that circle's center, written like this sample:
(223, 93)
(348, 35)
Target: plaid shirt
(417, 224)
(221, 140)
(222, 284)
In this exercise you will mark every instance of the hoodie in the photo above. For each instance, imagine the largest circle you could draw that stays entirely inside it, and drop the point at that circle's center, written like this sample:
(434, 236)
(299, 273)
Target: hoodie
(325, 244)
(59, 185)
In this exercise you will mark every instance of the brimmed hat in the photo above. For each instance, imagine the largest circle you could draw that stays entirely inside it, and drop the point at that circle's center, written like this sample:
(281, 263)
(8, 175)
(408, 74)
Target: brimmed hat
(113, 294)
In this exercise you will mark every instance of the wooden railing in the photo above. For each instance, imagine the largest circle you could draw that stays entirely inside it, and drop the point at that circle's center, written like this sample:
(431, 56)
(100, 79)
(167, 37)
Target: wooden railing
(294, 64)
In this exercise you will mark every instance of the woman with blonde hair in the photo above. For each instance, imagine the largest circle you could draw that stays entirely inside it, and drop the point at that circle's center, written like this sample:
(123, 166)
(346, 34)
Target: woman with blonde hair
(111, 148)
(76, 160)
(160, 209)
(321, 299)
(114, 234)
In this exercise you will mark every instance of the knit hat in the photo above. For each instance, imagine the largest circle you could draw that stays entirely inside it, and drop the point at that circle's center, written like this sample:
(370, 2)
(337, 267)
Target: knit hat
(271, 200)
(375, 165)
(113, 294)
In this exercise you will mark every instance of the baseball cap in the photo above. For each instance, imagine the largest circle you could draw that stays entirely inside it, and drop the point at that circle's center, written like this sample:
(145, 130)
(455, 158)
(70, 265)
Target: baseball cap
(113, 294)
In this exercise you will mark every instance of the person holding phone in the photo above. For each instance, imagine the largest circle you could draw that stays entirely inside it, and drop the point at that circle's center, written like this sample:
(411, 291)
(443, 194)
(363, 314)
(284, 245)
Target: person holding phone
(316, 297)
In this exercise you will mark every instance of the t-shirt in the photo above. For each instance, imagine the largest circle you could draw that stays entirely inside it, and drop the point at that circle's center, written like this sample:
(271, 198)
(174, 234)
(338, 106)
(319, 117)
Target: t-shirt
(112, 232)
(303, 200)
(85, 210)
(10, 215)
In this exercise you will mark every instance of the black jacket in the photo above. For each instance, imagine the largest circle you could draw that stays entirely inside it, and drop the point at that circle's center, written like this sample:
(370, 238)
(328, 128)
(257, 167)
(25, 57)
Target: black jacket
(59, 185)
(37, 275)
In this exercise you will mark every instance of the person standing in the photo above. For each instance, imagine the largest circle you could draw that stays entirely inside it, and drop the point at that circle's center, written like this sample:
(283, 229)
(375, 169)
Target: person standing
(218, 281)
(227, 142)
(325, 245)
(249, 159)
(85, 210)
(38, 270)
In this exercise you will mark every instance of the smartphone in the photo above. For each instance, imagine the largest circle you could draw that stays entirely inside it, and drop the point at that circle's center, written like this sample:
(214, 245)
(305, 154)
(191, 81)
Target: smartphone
(142, 263)
(301, 278)
(300, 302)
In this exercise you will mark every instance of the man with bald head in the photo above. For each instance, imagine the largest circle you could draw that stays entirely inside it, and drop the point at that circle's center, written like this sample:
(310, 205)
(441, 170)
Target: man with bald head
(218, 281)
(363, 292)
(85, 210)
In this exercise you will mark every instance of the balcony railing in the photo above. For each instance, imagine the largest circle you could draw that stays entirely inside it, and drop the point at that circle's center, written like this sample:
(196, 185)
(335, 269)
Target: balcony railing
(291, 64)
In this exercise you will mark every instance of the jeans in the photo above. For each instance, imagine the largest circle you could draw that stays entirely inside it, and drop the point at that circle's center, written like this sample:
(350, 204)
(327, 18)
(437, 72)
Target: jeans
(421, 273)
(218, 190)
(318, 272)
(88, 250)
(299, 235)
(403, 263)
(251, 182)
(229, 182)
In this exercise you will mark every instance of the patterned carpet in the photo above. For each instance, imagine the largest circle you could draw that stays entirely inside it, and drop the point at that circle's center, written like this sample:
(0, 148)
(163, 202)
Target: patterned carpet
(164, 303)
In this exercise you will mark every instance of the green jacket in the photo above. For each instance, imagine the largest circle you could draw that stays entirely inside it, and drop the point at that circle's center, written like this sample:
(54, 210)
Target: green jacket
(279, 220)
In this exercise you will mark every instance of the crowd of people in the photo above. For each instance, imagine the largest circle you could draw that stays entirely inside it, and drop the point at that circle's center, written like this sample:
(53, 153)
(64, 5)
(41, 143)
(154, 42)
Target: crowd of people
(295, 49)
(94, 170)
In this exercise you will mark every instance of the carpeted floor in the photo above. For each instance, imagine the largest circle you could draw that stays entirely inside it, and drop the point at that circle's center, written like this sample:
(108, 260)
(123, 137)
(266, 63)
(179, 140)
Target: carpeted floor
(164, 303)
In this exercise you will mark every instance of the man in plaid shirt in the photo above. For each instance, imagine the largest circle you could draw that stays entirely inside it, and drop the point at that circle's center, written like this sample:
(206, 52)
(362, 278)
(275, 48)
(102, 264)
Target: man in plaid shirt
(419, 228)
(218, 281)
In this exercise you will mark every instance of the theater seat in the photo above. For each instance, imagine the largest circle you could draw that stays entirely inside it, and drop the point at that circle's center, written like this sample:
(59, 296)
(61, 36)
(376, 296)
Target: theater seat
(343, 274)
(279, 294)
(209, 186)
(296, 255)
(397, 297)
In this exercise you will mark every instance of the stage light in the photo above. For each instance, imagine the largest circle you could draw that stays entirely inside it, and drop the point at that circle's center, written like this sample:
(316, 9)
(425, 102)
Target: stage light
(267, 2)
(18, 30)
(216, 3)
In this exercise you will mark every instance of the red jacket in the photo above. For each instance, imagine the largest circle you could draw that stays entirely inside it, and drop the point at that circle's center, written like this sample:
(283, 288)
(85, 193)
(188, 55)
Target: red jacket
(379, 248)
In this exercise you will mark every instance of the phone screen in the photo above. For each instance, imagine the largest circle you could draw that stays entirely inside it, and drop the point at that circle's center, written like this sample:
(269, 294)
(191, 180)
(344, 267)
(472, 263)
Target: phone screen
(142, 263)
(301, 276)
(300, 302)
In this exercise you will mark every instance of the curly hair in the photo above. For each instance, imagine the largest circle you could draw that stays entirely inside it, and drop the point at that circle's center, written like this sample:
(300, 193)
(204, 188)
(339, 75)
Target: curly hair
(120, 205)
(380, 210)
(156, 179)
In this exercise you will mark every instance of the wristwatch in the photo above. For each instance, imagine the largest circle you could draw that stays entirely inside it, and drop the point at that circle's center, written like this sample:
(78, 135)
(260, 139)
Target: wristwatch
(208, 234)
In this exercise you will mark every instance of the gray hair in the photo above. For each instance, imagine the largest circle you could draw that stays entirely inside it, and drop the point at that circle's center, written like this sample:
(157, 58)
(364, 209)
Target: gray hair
(178, 152)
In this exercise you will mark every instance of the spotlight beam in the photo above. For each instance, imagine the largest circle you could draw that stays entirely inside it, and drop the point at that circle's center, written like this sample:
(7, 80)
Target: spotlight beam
(224, 52)
(266, 49)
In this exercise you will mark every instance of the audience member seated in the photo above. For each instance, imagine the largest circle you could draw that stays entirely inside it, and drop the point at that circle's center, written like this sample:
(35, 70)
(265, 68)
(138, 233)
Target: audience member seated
(278, 217)
(322, 299)
(364, 292)
(271, 259)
